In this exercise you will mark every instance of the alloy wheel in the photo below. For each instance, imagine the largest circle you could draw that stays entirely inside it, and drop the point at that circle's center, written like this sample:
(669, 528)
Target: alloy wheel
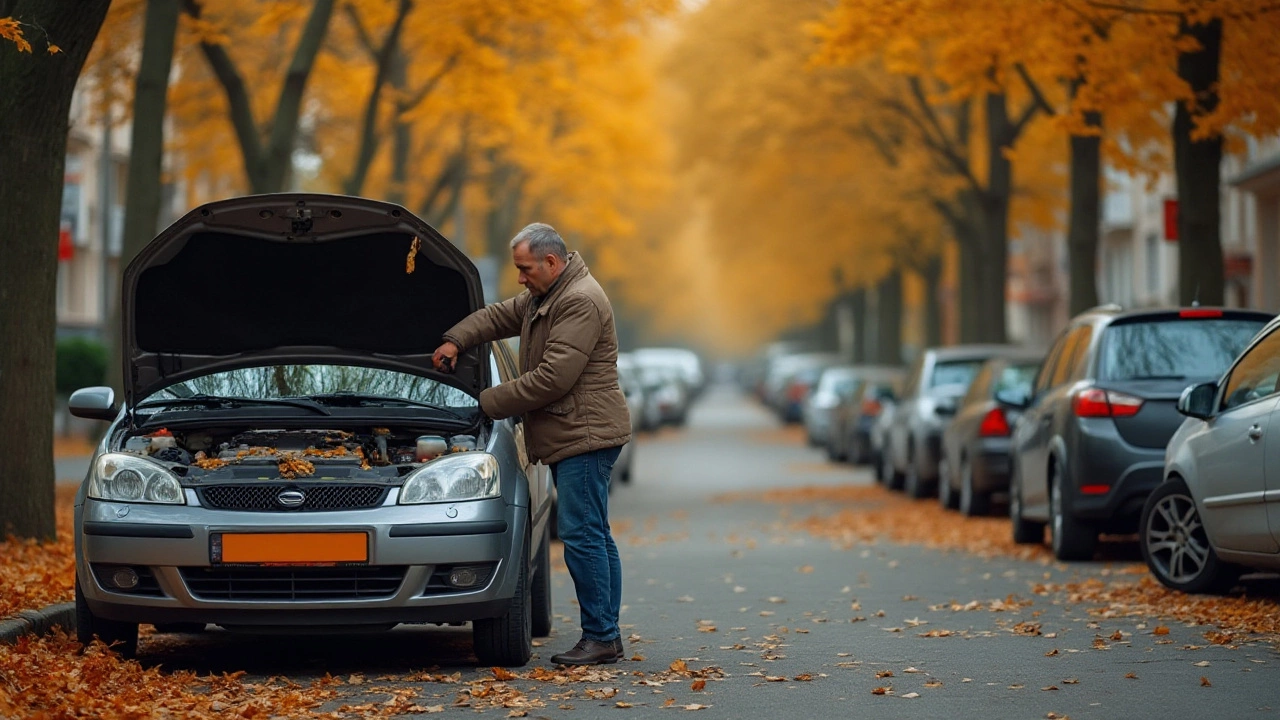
(1175, 538)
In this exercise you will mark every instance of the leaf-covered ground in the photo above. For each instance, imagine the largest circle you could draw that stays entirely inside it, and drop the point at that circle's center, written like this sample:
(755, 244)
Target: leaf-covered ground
(34, 574)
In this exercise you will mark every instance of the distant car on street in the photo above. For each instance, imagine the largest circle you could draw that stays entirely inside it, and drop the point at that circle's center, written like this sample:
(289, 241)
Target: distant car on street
(288, 459)
(853, 422)
(975, 444)
(936, 382)
(1217, 513)
(1090, 446)
(686, 363)
(834, 383)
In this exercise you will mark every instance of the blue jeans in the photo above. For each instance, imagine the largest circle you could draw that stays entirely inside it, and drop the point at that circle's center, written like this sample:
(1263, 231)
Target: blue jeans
(582, 486)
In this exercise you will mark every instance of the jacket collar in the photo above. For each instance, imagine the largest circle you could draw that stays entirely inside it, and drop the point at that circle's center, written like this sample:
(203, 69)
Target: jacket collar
(574, 269)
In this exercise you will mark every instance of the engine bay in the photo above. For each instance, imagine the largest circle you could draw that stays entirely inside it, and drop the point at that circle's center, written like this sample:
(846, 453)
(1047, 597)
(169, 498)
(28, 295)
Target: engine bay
(362, 453)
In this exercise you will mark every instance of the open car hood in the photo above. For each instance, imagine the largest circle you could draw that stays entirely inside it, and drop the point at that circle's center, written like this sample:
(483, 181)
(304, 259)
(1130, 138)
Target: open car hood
(295, 278)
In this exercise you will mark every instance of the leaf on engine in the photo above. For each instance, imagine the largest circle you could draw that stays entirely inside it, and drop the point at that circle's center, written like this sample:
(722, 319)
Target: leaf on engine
(410, 262)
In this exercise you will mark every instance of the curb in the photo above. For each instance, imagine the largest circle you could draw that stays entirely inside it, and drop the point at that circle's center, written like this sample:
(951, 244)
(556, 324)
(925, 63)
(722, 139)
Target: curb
(38, 622)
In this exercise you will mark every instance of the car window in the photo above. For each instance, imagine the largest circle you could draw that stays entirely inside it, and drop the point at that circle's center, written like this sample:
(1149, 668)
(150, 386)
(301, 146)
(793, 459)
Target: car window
(1045, 374)
(1255, 375)
(955, 372)
(1079, 365)
(1016, 379)
(1174, 349)
(281, 381)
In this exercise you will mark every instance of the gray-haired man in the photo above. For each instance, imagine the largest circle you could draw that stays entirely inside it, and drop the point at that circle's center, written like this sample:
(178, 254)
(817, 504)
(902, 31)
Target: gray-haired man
(575, 414)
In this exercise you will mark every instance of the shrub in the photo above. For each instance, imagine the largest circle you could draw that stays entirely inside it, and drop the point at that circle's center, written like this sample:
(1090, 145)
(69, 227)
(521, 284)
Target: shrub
(82, 362)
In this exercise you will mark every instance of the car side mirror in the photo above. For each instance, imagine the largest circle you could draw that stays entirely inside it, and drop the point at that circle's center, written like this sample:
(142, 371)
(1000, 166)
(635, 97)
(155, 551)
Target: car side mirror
(946, 407)
(1197, 400)
(94, 403)
(1014, 399)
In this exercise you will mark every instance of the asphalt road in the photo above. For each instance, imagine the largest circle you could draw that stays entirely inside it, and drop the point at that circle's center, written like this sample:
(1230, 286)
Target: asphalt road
(786, 625)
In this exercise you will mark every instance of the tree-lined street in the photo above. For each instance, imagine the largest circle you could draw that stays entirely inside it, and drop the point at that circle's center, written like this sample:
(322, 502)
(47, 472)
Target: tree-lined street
(726, 584)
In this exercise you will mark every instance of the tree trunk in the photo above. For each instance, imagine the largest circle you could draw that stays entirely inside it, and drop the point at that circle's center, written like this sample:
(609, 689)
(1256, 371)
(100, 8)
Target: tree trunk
(889, 322)
(1085, 216)
(146, 158)
(970, 277)
(35, 99)
(401, 136)
(1198, 166)
(994, 255)
(858, 308)
(931, 275)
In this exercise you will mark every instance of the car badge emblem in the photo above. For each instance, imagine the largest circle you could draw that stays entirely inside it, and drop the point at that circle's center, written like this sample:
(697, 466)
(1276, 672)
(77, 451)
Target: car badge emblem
(291, 498)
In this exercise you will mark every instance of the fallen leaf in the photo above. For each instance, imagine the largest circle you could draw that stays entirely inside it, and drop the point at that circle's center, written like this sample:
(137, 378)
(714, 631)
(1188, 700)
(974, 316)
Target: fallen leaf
(803, 677)
(694, 706)
(884, 674)
(503, 674)
(881, 690)
(911, 670)
(1131, 676)
(1052, 653)
(1071, 681)
(1117, 636)
(698, 685)
(911, 695)
(1204, 682)
(679, 666)
(805, 569)
(1160, 630)
(518, 713)
(622, 704)
(933, 684)
(1050, 687)
(1202, 663)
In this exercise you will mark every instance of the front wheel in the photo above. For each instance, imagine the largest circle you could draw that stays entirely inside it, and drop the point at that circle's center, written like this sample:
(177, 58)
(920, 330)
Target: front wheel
(1175, 545)
(507, 640)
(122, 637)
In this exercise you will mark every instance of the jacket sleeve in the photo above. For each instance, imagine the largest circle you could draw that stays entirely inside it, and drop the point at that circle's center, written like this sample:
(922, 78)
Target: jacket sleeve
(572, 336)
(491, 322)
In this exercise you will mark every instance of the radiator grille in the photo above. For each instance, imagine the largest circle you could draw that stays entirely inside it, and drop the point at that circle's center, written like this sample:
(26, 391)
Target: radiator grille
(274, 583)
(264, 497)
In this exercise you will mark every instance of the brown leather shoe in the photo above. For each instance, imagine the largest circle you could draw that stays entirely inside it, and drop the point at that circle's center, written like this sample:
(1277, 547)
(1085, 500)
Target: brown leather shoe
(588, 652)
(617, 645)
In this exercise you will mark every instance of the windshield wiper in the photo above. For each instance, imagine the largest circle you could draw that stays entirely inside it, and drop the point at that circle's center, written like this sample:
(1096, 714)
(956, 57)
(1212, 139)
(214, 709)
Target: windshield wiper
(347, 397)
(232, 401)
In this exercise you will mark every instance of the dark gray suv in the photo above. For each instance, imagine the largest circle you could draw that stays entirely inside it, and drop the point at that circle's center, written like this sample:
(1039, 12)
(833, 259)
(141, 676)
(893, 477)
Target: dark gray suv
(1090, 444)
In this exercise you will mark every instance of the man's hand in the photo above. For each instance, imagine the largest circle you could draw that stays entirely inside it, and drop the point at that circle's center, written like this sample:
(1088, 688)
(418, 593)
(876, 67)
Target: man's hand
(445, 357)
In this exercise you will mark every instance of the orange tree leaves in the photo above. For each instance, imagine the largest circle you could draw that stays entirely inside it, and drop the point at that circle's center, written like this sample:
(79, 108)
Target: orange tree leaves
(34, 574)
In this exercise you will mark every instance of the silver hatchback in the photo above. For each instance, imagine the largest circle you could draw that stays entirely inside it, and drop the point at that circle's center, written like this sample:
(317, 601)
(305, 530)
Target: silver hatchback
(286, 458)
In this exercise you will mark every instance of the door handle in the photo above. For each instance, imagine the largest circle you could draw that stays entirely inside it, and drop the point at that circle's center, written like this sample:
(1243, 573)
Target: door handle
(1255, 433)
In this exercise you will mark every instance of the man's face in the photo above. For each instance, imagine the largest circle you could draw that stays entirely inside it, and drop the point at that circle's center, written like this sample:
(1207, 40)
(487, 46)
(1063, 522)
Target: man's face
(536, 273)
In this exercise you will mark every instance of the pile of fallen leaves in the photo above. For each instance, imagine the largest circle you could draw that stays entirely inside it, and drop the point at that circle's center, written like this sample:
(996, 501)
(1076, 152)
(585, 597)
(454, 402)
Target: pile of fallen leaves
(869, 513)
(861, 515)
(34, 574)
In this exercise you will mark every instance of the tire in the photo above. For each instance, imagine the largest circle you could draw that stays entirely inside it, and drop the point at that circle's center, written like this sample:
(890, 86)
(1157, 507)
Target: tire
(1175, 546)
(540, 589)
(1071, 539)
(121, 637)
(859, 453)
(948, 498)
(835, 449)
(972, 502)
(911, 482)
(1025, 532)
(889, 475)
(507, 641)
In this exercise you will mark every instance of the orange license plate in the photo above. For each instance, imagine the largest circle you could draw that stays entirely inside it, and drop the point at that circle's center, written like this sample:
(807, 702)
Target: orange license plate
(321, 547)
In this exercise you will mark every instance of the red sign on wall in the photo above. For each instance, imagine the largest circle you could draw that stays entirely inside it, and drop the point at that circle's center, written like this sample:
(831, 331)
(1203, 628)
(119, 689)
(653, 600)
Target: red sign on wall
(66, 249)
(1171, 220)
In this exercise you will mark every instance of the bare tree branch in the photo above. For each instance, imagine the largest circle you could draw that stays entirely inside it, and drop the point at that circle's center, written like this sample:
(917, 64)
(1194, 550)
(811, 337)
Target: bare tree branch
(427, 87)
(1034, 88)
(362, 33)
(369, 137)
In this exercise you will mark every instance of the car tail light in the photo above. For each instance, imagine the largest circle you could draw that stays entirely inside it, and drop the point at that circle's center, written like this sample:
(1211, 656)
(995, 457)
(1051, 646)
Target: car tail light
(1095, 489)
(871, 408)
(796, 392)
(1198, 313)
(1095, 402)
(994, 424)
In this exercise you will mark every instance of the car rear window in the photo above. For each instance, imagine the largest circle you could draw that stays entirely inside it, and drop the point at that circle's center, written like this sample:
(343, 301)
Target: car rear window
(1016, 379)
(1173, 349)
(955, 372)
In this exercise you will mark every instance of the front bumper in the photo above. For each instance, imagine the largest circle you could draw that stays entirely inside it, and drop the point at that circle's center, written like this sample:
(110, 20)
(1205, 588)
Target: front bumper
(1099, 456)
(173, 545)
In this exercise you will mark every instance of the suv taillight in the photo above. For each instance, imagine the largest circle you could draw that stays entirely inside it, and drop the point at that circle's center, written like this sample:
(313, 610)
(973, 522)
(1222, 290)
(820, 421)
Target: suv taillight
(871, 408)
(1096, 402)
(994, 424)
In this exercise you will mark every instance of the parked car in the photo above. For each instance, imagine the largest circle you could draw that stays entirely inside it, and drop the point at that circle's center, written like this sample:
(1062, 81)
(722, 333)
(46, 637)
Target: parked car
(666, 398)
(834, 383)
(782, 393)
(936, 382)
(286, 456)
(1090, 446)
(1217, 515)
(854, 420)
(975, 444)
(629, 379)
(686, 362)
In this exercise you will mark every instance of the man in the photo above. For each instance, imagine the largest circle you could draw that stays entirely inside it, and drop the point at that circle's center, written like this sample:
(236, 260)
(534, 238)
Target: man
(575, 414)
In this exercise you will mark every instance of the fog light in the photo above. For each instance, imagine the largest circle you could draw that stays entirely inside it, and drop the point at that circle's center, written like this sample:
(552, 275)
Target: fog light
(124, 578)
(463, 577)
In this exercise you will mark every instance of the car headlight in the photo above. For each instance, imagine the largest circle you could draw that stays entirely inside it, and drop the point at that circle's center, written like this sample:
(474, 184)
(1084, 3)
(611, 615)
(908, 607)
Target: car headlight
(129, 478)
(464, 476)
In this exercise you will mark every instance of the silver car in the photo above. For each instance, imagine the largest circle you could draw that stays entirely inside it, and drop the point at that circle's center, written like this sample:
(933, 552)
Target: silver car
(1217, 513)
(287, 459)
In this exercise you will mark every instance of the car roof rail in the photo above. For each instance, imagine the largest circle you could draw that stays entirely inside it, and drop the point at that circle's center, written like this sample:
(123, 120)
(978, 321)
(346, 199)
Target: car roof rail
(1107, 307)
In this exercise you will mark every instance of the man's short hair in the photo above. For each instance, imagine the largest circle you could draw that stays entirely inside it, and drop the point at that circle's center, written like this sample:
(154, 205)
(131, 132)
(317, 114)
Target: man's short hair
(543, 241)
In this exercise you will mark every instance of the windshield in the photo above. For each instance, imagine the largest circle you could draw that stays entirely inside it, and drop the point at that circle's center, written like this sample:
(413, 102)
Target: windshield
(955, 372)
(1173, 349)
(291, 381)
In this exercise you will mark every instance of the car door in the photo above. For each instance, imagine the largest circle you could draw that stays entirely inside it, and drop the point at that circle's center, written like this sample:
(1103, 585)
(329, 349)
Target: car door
(1239, 450)
(1031, 442)
(538, 474)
